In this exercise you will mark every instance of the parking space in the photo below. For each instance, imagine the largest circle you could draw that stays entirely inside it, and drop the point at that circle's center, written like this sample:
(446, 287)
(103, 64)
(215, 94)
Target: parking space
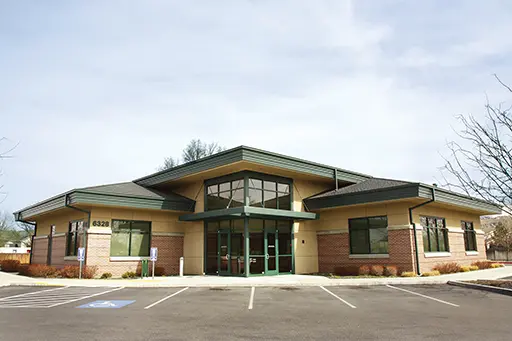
(374, 312)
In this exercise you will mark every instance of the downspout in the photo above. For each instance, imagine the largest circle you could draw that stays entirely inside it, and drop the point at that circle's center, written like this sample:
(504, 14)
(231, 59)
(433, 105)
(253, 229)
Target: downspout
(17, 218)
(86, 228)
(411, 221)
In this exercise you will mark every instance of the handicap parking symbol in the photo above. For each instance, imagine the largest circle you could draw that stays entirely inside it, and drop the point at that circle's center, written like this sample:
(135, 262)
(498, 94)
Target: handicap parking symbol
(106, 304)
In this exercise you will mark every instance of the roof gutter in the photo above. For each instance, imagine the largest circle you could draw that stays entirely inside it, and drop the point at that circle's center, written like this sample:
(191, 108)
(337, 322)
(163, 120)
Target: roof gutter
(411, 221)
(86, 227)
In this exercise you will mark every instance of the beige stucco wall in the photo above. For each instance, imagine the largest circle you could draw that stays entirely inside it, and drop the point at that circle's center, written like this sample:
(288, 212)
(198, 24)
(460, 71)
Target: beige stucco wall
(60, 219)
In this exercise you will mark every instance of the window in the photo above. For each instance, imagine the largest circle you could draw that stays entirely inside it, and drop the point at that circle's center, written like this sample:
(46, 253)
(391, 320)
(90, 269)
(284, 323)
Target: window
(75, 228)
(225, 195)
(469, 235)
(269, 194)
(435, 234)
(130, 238)
(368, 235)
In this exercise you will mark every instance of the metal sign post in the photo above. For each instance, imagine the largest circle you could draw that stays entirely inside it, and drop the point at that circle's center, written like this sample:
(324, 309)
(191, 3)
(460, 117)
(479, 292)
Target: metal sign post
(80, 256)
(153, 255)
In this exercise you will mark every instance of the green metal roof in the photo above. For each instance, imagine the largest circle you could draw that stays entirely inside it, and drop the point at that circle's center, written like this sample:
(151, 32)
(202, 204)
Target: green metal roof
(377, 189)
(126, 194)
(253, 155)
(248, 211)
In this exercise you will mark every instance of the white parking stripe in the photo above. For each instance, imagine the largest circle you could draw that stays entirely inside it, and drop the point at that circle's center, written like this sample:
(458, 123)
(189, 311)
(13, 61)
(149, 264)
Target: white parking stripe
(251, 298)
(32, 293)
(83, 298)
(339, 298)
(425, 296)
(165, 298)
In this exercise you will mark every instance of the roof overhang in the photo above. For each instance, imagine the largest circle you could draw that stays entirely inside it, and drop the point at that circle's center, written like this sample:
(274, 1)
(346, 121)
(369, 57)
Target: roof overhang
(89, 198)
(409, 191)
(251, 212)
(254, 156)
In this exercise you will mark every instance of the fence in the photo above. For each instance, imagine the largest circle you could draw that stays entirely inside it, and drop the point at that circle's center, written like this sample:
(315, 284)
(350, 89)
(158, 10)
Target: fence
(24, 258)
(498, 255)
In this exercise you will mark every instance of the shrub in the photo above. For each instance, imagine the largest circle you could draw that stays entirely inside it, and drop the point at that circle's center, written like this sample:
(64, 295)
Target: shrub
(390, 270)
(159, 271)
(38, 270)
(10, 265)
(364, 270)
(496, 265)
(431, 273)
(346, 271)
(106, 275)
(129, 274)
(473, 267)
(377, 270)
(408, 274)
(482, 264)
(89, 272)
(465, 268)
(447, 268)
(69, 271)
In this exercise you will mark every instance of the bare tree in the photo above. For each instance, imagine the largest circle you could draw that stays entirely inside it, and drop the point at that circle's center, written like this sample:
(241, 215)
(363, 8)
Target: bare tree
(195, 150)
(480, 164)
(502, 234)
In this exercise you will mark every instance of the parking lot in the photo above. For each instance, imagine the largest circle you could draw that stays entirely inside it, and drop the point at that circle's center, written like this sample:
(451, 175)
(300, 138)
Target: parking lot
(280, 313)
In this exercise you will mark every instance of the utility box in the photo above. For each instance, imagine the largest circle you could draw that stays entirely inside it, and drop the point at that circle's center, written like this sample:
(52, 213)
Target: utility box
(144, 268)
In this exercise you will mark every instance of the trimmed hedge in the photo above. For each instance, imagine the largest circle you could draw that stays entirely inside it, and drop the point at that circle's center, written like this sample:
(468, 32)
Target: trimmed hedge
(10, 265)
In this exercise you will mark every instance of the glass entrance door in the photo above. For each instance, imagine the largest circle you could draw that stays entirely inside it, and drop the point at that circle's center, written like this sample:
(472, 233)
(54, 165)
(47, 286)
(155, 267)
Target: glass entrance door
(271, 251)
(224, 252)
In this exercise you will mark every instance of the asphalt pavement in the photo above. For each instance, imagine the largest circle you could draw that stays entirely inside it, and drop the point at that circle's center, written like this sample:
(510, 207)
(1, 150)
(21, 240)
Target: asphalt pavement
(393, 312)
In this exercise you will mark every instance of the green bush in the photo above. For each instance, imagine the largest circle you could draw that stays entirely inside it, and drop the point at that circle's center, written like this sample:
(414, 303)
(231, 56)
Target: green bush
(10, 265)
(431, 273)
(106, 275)
(447, 268)
(377, 270)
(364, 270)
(473, 268)
(496, 265)
(408, 274)
(129, 274)
(465, 268)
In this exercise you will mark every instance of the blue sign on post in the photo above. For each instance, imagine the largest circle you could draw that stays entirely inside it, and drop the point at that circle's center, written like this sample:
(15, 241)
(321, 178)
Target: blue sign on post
(106, 304)
(80, 255)
(153, 255)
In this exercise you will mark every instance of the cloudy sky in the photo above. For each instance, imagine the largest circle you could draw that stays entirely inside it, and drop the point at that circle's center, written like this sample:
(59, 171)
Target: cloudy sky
(97, 92)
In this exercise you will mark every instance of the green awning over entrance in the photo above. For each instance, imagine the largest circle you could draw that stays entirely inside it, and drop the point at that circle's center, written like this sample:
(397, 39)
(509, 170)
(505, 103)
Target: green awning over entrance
(248, 211)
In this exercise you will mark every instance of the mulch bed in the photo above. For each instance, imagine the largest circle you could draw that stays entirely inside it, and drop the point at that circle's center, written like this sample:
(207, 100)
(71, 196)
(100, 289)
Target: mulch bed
(494, 283)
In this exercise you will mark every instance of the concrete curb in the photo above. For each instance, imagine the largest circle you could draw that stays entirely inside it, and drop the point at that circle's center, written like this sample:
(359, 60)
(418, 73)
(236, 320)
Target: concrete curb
(496, 290)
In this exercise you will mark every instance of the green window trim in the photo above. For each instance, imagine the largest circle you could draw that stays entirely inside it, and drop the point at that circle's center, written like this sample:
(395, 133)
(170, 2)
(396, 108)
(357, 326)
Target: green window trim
(435, 234)
(130, 238)
(470, 243)
(75, 228)
(373, 231)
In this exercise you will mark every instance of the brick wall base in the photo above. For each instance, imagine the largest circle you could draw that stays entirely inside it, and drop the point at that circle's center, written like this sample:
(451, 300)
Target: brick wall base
(170, 249)
(334, 252)
(40, 251)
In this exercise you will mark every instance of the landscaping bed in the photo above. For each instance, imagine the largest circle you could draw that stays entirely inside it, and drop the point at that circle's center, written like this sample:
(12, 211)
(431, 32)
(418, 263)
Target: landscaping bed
(507, 284)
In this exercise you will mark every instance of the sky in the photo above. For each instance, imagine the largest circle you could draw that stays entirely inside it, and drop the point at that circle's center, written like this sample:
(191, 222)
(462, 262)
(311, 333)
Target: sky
(97, 92)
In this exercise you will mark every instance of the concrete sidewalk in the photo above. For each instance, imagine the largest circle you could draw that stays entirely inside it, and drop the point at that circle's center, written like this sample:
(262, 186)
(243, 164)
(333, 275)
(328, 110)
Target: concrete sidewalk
(272, 281)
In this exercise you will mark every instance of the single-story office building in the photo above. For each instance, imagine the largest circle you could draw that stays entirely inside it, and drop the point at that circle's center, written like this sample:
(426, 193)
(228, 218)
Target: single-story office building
(248, 212)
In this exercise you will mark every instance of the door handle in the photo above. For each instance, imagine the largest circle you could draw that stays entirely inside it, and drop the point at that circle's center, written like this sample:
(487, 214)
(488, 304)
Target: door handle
(227, 256)
(267, 256)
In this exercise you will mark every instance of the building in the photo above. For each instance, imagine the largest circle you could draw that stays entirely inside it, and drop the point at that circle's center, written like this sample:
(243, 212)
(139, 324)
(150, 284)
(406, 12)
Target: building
(16, 246)
(245, 212)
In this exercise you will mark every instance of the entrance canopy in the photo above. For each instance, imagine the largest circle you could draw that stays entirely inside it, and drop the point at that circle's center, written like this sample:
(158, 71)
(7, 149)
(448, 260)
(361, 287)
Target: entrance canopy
(252, 212)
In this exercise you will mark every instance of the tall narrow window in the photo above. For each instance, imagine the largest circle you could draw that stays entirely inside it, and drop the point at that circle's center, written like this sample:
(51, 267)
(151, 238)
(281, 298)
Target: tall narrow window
(368, 235)
(75, 228)
(435, 234)
(130, 238)
(469, 235)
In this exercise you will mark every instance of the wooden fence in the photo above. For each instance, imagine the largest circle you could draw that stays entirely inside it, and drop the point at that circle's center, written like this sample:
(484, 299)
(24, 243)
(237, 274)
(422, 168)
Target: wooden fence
(24, 258)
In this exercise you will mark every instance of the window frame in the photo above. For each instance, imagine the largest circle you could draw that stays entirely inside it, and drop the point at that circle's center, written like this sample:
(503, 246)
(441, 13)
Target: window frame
(72, 250)
(368, 228)
(130, 236)
(467, 231)
(428, 229)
